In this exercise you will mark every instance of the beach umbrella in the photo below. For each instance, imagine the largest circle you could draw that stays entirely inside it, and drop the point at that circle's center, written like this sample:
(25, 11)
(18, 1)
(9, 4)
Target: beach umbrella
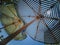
(43, 30)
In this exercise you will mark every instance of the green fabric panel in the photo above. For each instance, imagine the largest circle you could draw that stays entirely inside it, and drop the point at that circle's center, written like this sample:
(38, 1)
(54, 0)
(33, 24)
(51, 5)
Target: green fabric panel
(8, 10)
(9, 16)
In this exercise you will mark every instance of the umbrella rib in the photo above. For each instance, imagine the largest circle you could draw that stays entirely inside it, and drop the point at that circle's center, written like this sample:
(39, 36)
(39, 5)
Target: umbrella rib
(28, 16)
(7, 25)
(7, 15)
(52, 18)
(50, 31)
(11, 11)
(37, 29)
(39, 8)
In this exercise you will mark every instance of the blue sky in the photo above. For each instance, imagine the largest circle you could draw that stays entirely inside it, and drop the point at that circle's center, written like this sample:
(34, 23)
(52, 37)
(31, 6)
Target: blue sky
(27, 41)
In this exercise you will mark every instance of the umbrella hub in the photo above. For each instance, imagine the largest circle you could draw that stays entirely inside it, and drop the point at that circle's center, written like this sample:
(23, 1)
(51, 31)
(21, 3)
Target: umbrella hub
(39, 17)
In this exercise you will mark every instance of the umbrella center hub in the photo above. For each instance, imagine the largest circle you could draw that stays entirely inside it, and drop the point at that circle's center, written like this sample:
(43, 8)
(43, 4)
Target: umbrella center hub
(39, 17)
